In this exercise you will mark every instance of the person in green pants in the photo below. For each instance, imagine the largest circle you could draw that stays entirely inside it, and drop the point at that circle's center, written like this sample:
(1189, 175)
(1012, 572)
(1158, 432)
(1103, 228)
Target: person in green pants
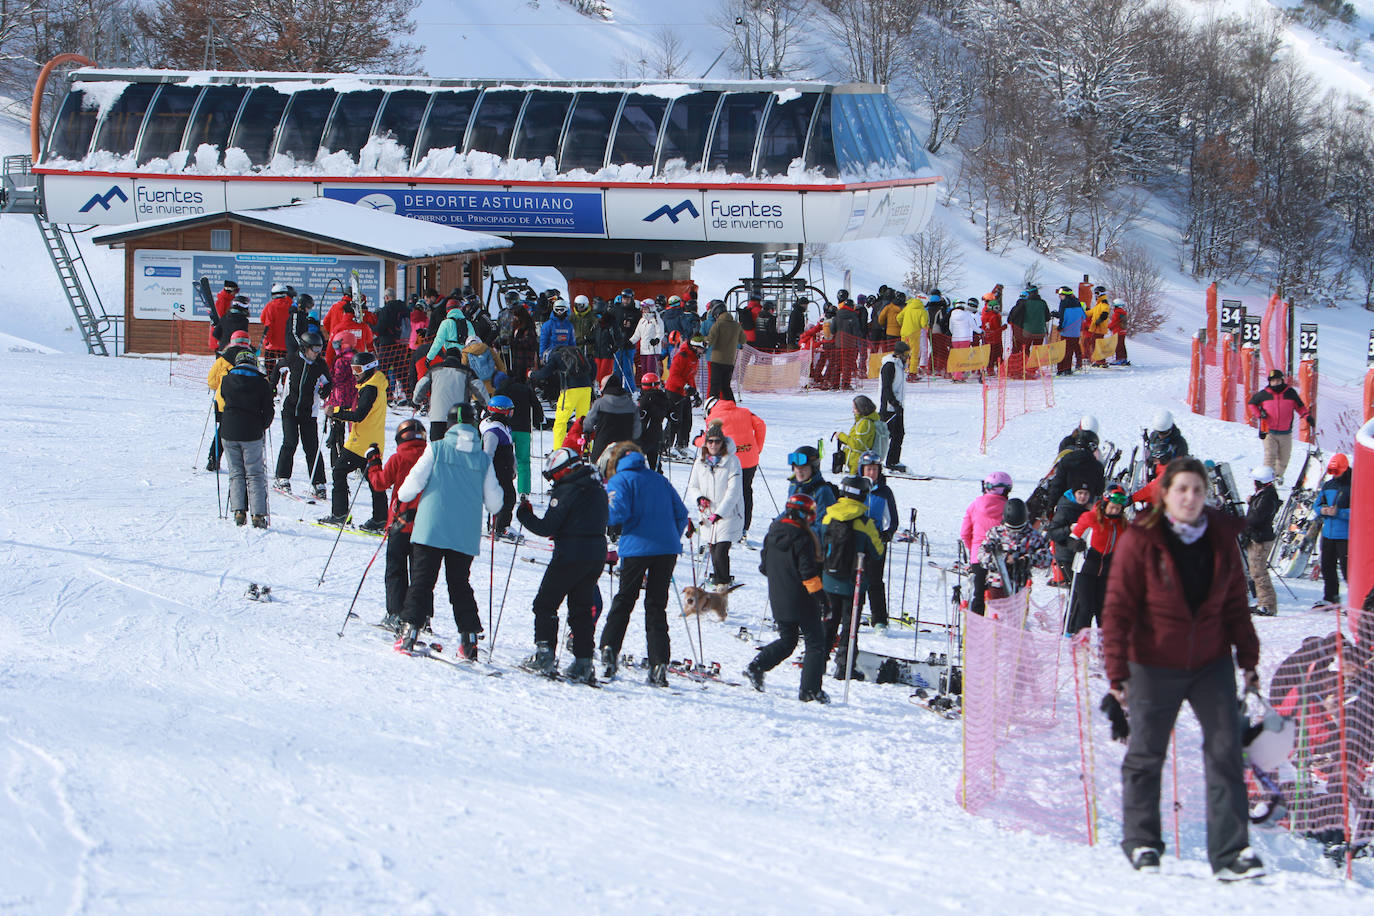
(527, 416)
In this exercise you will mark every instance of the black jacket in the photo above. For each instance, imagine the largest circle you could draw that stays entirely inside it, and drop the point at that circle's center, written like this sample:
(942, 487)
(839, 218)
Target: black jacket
(1259, 518)
(232, 320)
(790, 558)
(1078, 466)
(847, 321)
(248, 409)
(528, 412)
(653, 410)
(301, 378)
(390, 321)
(888, 402)
(1066, 512)
(569, 366)
(576, 520)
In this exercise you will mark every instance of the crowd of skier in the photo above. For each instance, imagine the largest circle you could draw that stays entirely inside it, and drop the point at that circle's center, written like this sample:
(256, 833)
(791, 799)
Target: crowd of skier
(621, 381)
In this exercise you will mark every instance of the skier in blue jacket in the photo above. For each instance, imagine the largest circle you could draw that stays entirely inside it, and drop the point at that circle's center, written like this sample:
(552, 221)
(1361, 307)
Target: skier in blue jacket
(1333, 506)
(558, 331)
(648, 517)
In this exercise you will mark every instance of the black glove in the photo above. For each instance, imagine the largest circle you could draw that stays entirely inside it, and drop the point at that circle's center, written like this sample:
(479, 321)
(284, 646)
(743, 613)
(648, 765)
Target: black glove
(1078, 545)
(693, 394)
(405, 518)
(613, 533)
(374, 455)
(1263, 434)
(1121, 729)
(653, 341)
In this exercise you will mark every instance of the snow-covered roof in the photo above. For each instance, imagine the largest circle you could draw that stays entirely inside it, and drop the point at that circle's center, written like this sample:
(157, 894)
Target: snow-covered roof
(387, 235)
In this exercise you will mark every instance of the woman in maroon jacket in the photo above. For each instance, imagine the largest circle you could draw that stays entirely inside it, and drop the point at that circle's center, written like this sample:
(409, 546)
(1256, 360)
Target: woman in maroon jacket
(1176, 607)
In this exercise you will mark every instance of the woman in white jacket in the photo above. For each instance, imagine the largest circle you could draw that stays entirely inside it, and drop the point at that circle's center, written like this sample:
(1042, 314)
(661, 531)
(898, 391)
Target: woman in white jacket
(963, 324)
(648, 334)
(716, 489)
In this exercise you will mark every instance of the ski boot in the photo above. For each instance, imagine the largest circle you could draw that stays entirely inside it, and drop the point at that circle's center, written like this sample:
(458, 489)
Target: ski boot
(1260, 610)
(609, 663)
(259, 521)
(1145, 859)
(212, 465)
(393, 623)
(321, 491)
(581, 671)
(658, 675)
(373, 526)
(820, 696)
(240, 517)
(334, 520)
(755, 676)
(542, 661)
(467, 647)
(880, 629)
(405, 640)
(281, 483)
(1244, 866)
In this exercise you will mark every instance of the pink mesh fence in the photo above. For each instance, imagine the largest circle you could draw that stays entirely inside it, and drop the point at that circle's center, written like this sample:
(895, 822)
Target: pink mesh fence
(1013, 390)
(1340, 413)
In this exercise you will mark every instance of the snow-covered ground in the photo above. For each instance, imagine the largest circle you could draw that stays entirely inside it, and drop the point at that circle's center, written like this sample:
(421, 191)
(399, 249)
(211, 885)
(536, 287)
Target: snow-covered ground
(170, 746)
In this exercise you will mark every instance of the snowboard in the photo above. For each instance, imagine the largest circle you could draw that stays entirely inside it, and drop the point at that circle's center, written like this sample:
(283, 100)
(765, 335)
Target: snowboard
(1298, 524)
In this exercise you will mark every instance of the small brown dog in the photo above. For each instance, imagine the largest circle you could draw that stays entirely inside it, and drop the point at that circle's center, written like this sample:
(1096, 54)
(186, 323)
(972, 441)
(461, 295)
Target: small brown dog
(701, 601)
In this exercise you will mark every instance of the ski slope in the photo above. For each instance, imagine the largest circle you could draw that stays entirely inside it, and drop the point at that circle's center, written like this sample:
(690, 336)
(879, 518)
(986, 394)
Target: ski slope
(171, 747)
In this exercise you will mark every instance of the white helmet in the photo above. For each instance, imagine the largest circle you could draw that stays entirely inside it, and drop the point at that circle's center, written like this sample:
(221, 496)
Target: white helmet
(1088, 423)
(1263, 474)
(279, 289)
(582, 300)
(1163, 422)
(1269, 748)
(1119, 303)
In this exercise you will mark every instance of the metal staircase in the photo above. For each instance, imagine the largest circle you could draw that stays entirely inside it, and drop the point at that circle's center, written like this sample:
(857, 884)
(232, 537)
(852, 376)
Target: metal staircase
(20, 195)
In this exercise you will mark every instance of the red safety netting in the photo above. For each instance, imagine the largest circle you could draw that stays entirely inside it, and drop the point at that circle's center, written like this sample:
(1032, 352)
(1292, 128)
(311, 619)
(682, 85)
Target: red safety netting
(1027, 736)
(1016, 388)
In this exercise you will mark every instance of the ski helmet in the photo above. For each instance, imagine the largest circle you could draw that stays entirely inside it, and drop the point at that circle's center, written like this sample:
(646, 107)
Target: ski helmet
(1119, 303)
(710, 404)
(461, 413)
(1064, 291)
(1115, 494)
(1088, 423)
(410, 430)
(649, 380)
(560, 308)
(240, 339)
(364, 360)
(972, 303)
(1014, 514)
(674, 338)
(501, 406)
(240, 305)
(310, 340)
(855, 487)
(1338, 464)
(1162, 422)
(279, 289)
(801, 507)
(231, 284)
(901, 347)
(1263, 474)
(581, 300)
(842, 296)
(674, 301)
(805, 456)
(697, 343)
(246, 358)
(997, 480)
(560, 462)
(869, 457)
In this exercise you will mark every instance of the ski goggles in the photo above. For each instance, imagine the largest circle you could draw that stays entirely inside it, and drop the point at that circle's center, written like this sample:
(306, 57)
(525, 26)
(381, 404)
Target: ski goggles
(797, 459)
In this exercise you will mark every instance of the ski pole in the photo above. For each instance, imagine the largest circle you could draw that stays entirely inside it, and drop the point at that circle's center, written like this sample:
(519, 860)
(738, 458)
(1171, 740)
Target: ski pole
(853, 629)
(701, 644)
(520, 536)
(491, 567)
(1282, 581)
(359, 589)
(672, 580)
(769, 488)
(219, 500)
(343, 522)
(209, 412)
(906, 569)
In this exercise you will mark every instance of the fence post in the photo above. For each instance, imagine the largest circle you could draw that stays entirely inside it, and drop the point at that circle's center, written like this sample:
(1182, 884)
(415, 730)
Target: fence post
(1307, 387)
(1197, 386)
(1249, 376)
(1212, 314)
(1368, 396)
(1228, 378)
(1361, 525)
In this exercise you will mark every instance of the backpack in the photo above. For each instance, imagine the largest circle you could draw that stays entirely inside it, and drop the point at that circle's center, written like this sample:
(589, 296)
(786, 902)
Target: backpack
(839, 550)
(483, 365)
(881, 439)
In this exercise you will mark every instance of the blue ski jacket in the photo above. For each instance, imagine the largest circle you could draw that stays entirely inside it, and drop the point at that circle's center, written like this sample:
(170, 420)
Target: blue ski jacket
(1335, 492)
(648, 510)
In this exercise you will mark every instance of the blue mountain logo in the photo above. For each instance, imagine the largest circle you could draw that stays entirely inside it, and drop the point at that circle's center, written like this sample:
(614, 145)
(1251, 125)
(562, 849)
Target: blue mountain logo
(672, 212)
(104, 199)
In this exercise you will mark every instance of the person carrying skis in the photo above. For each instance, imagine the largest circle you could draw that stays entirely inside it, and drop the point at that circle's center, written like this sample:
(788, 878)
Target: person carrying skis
(648, 518)
(892, 402)
(367, 428)
(653, 412)
(863, 435)
(791, 561)
(527, 416)
(1011, 550)
(1258, 539)
(454, 481)
(238, 344)
(1164, 442)
(1175, 613)
(1333, 508)
(1276, 407)
(576, 522)
(248, 412)
(573, 372)
(499, 446)
(747, 431)
(222, 300)
(849, 543)
(715, 487)
(1095, 535)
(882, 511)
(614, 417)
(400, 517)
(981, 516)
(807, 480)
(307, 382)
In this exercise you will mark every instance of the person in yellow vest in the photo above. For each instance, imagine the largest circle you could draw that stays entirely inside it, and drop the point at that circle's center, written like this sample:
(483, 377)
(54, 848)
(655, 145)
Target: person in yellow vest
(915, 319)
(1099, 315)
(366, 434)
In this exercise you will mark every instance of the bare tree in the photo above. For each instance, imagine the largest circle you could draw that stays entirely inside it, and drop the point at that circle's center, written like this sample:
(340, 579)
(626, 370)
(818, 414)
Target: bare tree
(942, 71)
(873, 34)
(767, 37)
(934, 259)
(665, 57)
(1132, 275)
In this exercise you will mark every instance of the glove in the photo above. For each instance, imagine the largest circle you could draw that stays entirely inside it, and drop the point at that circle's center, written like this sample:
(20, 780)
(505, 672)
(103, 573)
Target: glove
(613, 533)
(653, 341)
(374, 455)
(713, 519)
(703, 503)
(1078, 545)
(612, 556)
(1263, 434)
(694, 395)
(1116, 714)
(691, 529)
(405, 518)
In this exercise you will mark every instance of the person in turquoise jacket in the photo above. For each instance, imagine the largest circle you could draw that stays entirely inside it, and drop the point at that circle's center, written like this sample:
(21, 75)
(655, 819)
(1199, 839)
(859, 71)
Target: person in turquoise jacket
(1333, 507)
(453, 332)
(454, 481)
(648, 517)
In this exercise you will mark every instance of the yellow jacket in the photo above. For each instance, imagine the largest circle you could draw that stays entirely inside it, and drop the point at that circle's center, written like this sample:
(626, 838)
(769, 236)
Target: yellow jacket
(914, 318)
(891, 319)
(371, 429)
(1099, 316)
(218, 370)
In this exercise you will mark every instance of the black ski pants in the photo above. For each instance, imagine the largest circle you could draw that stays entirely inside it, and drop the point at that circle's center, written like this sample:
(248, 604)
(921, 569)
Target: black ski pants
(718, 379)
(747, 481)
(658, 570)
(349, 462)
(720, 562)
(1153, 699)
(896, 430)
(397, 571)
(679, 420)
(306, 433)
(1089, 594)
(977, 602)
(216, 447)
(874, 571)
(808, 625)
(424, 575)
(1335, 556)
(571, 577)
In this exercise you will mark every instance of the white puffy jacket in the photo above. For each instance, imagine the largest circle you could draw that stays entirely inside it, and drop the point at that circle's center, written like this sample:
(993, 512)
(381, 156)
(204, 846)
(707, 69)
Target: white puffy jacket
(649, 328)
(963, 325)
(723, 485)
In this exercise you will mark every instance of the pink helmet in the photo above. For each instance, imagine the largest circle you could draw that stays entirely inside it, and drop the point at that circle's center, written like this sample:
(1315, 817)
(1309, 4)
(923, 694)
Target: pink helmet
(995, 480)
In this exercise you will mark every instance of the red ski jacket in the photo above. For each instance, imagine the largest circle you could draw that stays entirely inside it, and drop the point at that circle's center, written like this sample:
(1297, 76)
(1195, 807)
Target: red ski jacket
(682, 371)
(391, 475)
(276, 315)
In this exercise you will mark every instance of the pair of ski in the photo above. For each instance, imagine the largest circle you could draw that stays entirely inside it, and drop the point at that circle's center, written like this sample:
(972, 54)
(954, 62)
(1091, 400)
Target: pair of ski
(307, 500)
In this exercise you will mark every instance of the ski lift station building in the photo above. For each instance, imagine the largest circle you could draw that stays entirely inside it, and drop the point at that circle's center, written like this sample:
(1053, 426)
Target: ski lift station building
(612, 183)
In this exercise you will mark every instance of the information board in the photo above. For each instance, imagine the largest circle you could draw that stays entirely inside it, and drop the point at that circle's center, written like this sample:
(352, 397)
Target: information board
(1232, 314)
(1307, 340)
(1251, 333)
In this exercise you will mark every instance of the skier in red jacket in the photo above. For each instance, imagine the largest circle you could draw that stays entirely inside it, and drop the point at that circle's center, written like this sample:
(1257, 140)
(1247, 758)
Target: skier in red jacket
(410, 445)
